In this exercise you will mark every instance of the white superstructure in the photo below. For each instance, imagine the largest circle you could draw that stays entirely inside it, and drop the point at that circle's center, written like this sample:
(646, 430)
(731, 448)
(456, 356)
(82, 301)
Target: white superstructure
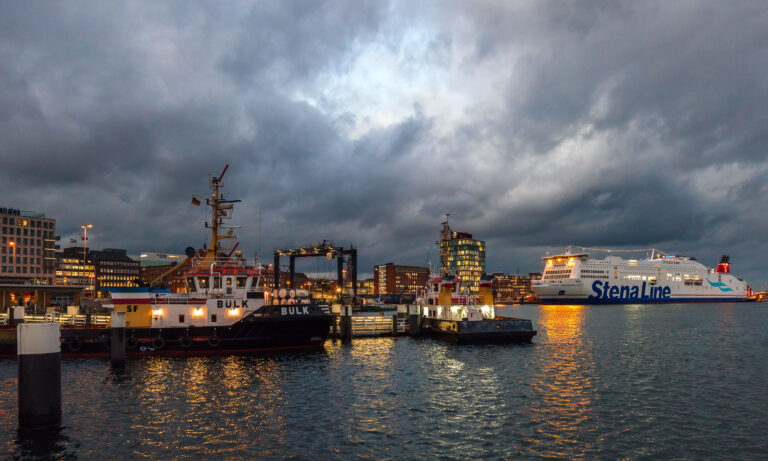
(575, 278)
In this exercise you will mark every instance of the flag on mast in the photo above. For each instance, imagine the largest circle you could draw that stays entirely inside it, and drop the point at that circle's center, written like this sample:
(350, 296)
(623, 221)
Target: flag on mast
(195, 201)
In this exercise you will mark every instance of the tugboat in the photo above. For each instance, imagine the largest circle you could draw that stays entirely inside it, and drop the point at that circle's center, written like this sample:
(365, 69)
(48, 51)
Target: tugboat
(451, 313)
(225, 309)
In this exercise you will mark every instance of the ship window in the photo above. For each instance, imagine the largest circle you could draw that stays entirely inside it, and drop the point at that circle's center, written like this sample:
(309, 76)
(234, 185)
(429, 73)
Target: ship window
(203, 281)
(213, 318)
(241, 282)
(181, 319)
(229, 281)
(217, 282)
(191, 284)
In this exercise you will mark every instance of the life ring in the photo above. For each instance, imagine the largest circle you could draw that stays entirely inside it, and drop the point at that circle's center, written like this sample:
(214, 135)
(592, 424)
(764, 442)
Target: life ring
(158, 343)
(185, 341)
(74, 344)
(131, 343)
(214, 341)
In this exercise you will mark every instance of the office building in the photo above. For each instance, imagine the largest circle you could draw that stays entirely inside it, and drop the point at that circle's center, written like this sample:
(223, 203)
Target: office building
(28, 251)
(72, 270)
(462, 256)
(114, 269)
(393, 279)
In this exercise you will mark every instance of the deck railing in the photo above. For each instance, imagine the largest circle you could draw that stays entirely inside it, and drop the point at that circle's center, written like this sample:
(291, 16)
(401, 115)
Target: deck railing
(64, 319)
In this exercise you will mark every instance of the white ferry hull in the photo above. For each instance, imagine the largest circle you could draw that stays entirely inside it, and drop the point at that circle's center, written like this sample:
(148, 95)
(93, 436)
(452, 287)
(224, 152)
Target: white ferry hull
(577, 279)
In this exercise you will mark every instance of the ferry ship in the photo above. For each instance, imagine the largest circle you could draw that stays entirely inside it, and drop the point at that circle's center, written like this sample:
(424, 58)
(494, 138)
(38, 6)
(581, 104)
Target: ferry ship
(224, 310)
(575, 278)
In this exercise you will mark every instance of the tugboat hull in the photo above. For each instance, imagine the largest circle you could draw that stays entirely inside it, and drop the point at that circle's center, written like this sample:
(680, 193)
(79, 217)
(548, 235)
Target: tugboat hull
(252, 334)
(490, 331)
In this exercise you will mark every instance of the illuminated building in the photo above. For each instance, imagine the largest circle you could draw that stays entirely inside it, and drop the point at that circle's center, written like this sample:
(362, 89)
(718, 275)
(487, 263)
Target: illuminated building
(513, 288)
(365, 287)
(70, 270)
(114, 269)
(462, 256)
(392, 279)
(28, 247)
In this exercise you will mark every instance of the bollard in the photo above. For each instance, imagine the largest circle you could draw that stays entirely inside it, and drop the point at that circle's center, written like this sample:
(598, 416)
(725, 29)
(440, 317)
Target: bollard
(414, 318)
(117, 330)
(39, 354)
(394, 325)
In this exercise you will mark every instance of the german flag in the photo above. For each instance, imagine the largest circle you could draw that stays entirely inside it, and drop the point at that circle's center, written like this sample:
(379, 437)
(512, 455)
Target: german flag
(195, 201)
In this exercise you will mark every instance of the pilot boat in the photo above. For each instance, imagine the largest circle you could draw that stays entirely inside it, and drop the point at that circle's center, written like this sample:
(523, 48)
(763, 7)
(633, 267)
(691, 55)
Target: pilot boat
(448, 311)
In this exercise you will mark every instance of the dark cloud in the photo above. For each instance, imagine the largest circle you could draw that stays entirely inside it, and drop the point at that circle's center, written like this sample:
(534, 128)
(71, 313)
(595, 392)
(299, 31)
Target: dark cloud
(627, 124)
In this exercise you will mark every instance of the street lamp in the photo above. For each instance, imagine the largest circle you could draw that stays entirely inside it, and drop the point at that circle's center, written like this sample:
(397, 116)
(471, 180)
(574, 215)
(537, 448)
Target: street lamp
(12, 244)
(85, 228)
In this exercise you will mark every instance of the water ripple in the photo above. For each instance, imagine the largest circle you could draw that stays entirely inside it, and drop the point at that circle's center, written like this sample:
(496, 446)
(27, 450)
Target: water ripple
(678, 381)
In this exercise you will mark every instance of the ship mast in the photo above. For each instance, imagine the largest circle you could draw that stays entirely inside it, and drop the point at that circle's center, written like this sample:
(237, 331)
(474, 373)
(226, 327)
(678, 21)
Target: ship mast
(220, 210)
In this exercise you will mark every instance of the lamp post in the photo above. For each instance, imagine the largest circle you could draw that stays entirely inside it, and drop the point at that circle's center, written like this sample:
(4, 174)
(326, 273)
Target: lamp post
(85, 228)
(13, 250)
(12, 244)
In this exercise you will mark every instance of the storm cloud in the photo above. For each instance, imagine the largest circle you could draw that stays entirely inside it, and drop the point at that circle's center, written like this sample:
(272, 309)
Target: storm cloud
(535, 124)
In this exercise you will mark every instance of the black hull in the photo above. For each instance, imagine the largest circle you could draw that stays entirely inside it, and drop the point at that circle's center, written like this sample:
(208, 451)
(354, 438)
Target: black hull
(252, 334)
(507, 331)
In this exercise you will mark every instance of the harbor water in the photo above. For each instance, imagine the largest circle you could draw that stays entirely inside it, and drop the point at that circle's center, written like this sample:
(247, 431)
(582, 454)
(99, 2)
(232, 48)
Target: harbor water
(626, 381)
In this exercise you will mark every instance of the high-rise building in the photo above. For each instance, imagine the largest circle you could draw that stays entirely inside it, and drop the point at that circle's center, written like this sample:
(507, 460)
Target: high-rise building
(28, 247)
(462, 256)
(393, 279)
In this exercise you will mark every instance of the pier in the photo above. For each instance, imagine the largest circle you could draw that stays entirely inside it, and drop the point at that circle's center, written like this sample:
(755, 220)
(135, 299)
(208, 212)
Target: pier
(370, 324)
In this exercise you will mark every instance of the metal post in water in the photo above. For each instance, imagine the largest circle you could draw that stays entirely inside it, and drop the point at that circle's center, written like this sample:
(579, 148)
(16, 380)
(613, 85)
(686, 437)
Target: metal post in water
(39, 355)
(414, 319)
(117, 332)
(347, 337)
(394, 325)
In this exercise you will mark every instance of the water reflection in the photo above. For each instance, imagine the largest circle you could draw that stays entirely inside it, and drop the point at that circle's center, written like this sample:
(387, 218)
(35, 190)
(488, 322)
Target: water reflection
(44, 444)
(562, 408)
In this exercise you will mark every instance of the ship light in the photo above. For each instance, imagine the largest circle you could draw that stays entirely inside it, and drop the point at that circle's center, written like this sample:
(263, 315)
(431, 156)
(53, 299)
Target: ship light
(426, 311)
(234, 311)
(486, 310)
(157, 312)
(439, 310)
(197, 312)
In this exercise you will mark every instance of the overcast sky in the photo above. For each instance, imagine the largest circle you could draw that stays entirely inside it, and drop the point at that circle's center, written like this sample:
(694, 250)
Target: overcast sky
(535, 124)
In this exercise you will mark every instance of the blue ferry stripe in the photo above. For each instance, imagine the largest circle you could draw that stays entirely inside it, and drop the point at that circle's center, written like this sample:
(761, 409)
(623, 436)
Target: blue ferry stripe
(720, 285)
